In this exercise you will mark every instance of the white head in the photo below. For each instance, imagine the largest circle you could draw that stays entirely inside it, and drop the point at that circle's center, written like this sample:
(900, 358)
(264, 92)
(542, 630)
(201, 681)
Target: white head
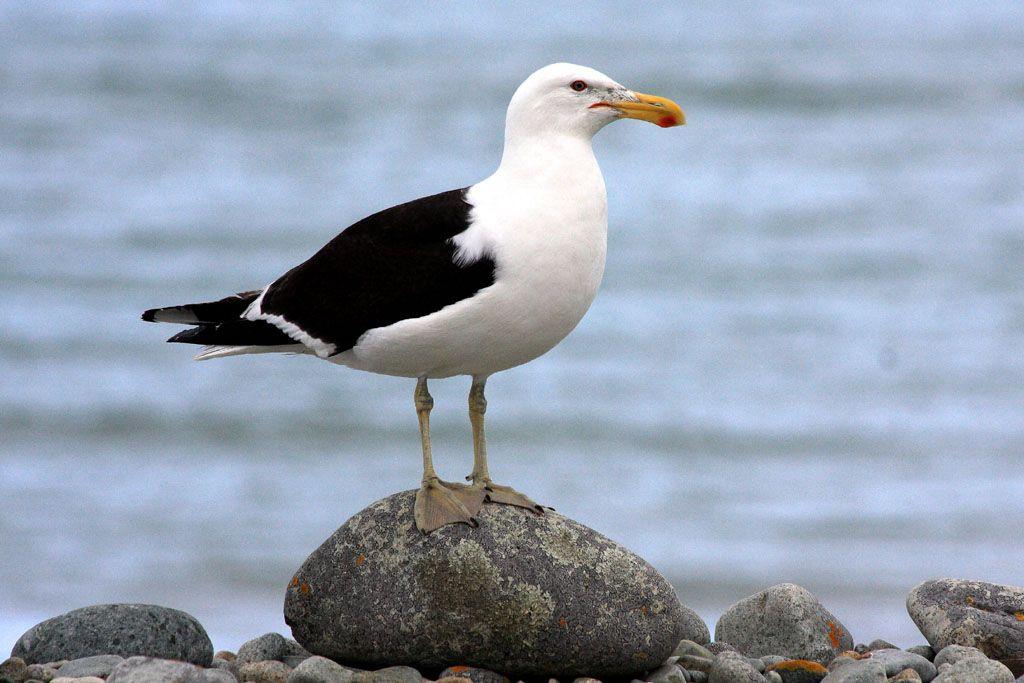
(567, 99)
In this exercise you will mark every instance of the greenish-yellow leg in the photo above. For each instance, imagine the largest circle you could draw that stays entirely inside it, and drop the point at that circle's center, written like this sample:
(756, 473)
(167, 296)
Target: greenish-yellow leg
(438, 504)
(481, 477)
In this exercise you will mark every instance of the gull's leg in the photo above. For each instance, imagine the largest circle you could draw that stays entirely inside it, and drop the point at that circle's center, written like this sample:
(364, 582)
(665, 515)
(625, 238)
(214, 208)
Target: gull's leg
(480, 476)
(436, 504)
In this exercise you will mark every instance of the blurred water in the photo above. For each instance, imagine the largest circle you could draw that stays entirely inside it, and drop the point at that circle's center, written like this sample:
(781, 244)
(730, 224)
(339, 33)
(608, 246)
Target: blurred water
(804, 364)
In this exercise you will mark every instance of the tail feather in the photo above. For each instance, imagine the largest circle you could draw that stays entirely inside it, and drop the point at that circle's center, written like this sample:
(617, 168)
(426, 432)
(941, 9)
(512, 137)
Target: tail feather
(209, 352)
(238, 332)
(228, 308)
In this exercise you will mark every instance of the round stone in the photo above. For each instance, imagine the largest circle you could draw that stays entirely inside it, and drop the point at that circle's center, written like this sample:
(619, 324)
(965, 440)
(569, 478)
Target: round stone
(117, 629)
(987, 616)
(785, 620)
(527, 594)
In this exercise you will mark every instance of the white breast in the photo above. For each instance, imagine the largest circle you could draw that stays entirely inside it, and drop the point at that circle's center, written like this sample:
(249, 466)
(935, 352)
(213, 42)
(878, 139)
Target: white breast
(546, 229)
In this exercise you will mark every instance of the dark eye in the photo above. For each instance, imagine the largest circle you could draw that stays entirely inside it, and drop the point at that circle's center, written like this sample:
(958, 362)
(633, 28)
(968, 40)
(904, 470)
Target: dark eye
(578, 86)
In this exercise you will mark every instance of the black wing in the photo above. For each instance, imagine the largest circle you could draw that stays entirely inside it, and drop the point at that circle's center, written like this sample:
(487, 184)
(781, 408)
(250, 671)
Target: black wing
(396, 264)
(391, 266)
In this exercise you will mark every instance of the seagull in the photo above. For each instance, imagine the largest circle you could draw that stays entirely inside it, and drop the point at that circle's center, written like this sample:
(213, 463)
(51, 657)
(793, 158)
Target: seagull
(471, 281)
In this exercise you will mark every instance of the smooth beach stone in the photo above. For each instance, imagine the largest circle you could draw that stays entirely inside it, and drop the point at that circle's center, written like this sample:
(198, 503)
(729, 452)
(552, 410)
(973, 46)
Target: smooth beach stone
(908, 675)
(974, 671)
(13, 668)
(219, 676)
(952, 654)
(474, 674)
(799, 671)
(689, 647)
(667, 673)
(117, 629)
(694, 629)
(772, 677)
(987, 616)
(879, 644)
(320, 670)
(694, 663)
(266, 671)
(857, 671)
(154, 670)
(97, 665)
(39, 672)
(391, 674)
(786, 620)
(78, 679)
(895, 660)
(718, 647)
(732, 667)
(263, 648)
(530, 595)
(926, 651)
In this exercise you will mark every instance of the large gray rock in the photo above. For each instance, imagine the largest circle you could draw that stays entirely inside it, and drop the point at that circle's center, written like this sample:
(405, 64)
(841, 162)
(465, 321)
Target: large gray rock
(974, 671)
(118, 629)
(987, 616)
(783, 620)
(525, 594)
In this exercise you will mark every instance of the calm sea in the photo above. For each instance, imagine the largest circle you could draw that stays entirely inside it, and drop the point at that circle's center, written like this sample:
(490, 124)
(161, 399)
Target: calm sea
(806, 362)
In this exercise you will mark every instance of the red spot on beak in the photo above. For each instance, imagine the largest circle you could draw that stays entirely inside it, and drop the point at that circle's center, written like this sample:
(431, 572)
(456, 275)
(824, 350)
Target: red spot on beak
(667, 121)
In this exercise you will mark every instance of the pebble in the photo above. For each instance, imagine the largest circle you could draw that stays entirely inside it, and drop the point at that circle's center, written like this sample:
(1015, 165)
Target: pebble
(97, 665)
(154, 670)
(718, 647)
(320, 670)
(39, 672)
(772, 677)
(974, 671)
(266, 647)
(667, 673)
(799, 671)
(688, 647)
(988, 616)
(226, 655)
(895, 660)
(694, 663)
(219, 676)
(13, 668)
(732, 667)
(786, 620)
(926, 651)
(391, 674)
(693, 627)
(906, 675)
(879, 644)
(265, 671)
(474, 674)
(78, 679)
(952, 654)
(856, 671)
(118, 629)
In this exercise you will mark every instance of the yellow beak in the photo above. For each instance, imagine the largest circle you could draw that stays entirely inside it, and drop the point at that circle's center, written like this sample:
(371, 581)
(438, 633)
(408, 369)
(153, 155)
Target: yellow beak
(664, 112)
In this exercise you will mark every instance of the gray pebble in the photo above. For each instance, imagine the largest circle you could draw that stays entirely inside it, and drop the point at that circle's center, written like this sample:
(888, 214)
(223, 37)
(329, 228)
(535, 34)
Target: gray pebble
(320, 670)
(266, 671)
(785, 619)
(731, 667)
(693, 663)
(688, 647)
(80, 679)
(694, 628)
(293, 661)
(925, 651)
(908, 675)
(974, 671)
(39, 672)
(266, 647)
(13, 668)
(773, 677)
(392, 674)
(718, 647)
(153, 670)
(879, 644)
(97, 665)
(219, 676)
(952, 654)
(857, 671)
(895, 660)
(668, 673)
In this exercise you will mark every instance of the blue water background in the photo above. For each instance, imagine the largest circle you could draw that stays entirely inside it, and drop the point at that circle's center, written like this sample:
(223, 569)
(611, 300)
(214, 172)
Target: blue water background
(806, 362)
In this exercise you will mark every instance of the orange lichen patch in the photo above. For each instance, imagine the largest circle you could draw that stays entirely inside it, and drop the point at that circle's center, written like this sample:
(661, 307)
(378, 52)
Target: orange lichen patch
(798, 665)
(360, 559)
(295, 581)
(969, 600)
(1019, 616)
(834, 634)
(562, 622)
(643, 610)
(304, 588)
(459, 669)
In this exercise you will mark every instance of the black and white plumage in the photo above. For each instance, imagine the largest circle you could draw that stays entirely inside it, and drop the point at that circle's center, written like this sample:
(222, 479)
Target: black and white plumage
(466, 282)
